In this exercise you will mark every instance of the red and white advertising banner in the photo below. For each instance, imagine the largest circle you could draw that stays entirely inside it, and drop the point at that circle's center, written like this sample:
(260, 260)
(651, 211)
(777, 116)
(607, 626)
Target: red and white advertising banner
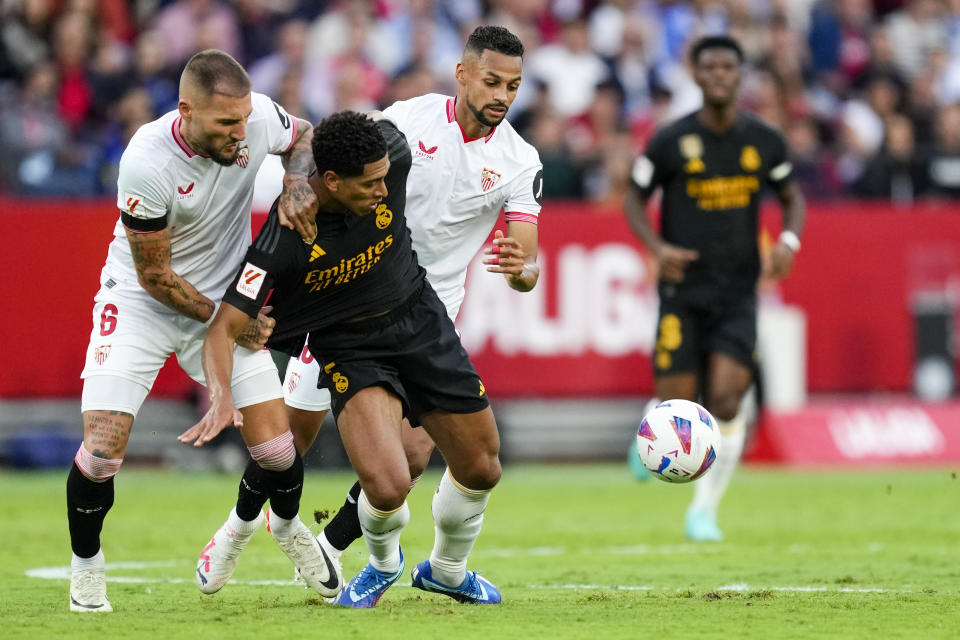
(585, 330)
(857, 433)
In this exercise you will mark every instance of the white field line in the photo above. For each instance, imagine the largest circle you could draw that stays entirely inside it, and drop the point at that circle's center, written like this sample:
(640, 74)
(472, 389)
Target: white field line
(728, 587)
(63, 573)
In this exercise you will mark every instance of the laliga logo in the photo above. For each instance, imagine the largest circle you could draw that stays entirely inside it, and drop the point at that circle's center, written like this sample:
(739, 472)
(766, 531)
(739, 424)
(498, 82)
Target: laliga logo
(384, 216)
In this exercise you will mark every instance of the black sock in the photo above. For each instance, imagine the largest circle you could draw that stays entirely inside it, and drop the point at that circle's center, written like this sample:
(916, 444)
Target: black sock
(87, 506)
(344, 528)
(284, 488)
(252, 494)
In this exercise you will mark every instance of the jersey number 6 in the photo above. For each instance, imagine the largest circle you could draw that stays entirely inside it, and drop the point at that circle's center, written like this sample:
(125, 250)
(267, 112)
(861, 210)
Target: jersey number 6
(108, 319)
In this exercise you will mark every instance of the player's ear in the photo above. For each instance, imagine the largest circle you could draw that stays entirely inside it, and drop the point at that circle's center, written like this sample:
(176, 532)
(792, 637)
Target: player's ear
(461, 74)
(331, 181)
(185, 109)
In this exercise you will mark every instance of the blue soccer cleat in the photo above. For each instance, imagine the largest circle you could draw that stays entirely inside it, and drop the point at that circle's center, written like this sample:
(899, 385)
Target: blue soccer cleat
(367, 587)
(702, 527)
(474, 589)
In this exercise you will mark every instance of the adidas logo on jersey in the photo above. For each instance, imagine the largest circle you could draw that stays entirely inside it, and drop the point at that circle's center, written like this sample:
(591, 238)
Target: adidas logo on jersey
(316, 252)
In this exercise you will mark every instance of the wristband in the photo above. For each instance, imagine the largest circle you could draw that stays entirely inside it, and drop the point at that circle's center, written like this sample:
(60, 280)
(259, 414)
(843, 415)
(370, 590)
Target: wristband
(790, 239)
(216, 307)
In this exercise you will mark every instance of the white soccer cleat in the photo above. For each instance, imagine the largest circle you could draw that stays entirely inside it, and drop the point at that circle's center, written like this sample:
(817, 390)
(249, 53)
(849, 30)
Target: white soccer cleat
(88, 591)
(218, 560)
(316, 567)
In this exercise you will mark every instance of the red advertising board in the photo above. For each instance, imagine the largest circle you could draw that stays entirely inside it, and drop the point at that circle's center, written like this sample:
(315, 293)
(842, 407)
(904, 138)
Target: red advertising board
(586, 330)
(853, 434)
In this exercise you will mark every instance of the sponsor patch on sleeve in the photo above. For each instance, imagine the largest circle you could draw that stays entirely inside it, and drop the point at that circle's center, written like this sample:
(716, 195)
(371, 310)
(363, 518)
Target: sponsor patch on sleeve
(250, 281)
(133, 205)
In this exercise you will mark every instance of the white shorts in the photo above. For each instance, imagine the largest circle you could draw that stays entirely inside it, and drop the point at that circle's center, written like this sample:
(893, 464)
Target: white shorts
(300, 384)
(130, 341)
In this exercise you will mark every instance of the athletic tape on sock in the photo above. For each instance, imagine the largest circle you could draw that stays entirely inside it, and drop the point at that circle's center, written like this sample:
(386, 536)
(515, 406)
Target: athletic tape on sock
(94, 468)
(277, 454)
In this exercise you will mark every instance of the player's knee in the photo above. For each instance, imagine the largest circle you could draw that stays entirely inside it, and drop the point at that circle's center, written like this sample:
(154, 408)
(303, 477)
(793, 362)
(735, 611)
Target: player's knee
(724, 405)
(387, 491)
(94, 467)
(482, 474)
(277, 454)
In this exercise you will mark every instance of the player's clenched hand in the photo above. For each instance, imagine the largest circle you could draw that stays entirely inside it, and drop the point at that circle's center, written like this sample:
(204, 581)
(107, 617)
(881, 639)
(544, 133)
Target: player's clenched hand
(505, 256)
(673, 260)
(780, 262)
(297, 208)
(219, 416)
(258, 330)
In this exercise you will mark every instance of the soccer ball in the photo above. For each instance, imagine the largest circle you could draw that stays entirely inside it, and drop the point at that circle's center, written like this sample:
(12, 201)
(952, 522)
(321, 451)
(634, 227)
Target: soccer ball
(678, 440)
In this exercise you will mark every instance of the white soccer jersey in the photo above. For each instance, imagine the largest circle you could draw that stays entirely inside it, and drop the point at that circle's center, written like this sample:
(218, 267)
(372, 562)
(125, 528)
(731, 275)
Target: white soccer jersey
(458, 186)
(207, 205)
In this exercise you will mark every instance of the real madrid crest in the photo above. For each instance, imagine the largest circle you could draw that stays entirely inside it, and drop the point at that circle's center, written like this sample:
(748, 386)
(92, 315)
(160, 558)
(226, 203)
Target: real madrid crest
(384, 216)
(750, 158)
(691, 148)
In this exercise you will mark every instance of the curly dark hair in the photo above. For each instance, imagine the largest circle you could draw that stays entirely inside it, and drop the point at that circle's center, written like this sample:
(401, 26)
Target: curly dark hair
(346, 141)
(495, 38)
(715, 42)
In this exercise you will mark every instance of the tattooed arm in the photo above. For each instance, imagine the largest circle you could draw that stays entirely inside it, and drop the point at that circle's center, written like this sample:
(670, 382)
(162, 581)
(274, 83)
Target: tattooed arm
(297, 208)
(151, 258)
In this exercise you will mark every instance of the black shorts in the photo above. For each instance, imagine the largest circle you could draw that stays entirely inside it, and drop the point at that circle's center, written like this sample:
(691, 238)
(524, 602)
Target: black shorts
(413, 351)
(694, 323)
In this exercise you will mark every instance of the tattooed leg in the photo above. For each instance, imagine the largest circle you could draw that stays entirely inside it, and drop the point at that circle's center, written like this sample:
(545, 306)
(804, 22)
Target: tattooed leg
(105, 433)
(90, 482)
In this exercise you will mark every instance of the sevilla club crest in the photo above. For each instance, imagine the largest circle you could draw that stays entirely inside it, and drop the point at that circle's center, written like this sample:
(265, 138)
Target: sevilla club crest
(101, 353)
(294, 381)
(488, 178)
(243, 158)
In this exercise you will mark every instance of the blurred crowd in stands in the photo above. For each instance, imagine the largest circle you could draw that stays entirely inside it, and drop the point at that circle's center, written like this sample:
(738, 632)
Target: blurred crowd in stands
(867, 92)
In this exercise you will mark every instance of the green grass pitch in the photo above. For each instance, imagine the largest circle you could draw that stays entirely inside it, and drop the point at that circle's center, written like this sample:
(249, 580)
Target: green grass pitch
(578, 551)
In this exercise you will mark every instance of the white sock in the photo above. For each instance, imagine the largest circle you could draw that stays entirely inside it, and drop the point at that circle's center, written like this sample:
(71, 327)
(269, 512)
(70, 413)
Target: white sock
(381, 531)
(240, 526)
(709, 490)
(331, 550)
(458, 517)
(281, 527)
(82, 564)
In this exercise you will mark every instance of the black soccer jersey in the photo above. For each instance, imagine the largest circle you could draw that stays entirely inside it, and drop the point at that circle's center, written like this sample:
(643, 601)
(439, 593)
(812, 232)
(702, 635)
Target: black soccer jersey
(712, 187)
(358, 266)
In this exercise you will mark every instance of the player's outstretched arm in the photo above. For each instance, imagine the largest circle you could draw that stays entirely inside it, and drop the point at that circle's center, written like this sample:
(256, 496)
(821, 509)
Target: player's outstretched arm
(297, 208)
(794, 216)
(217, 359)
(151, 259)
(515, 255)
